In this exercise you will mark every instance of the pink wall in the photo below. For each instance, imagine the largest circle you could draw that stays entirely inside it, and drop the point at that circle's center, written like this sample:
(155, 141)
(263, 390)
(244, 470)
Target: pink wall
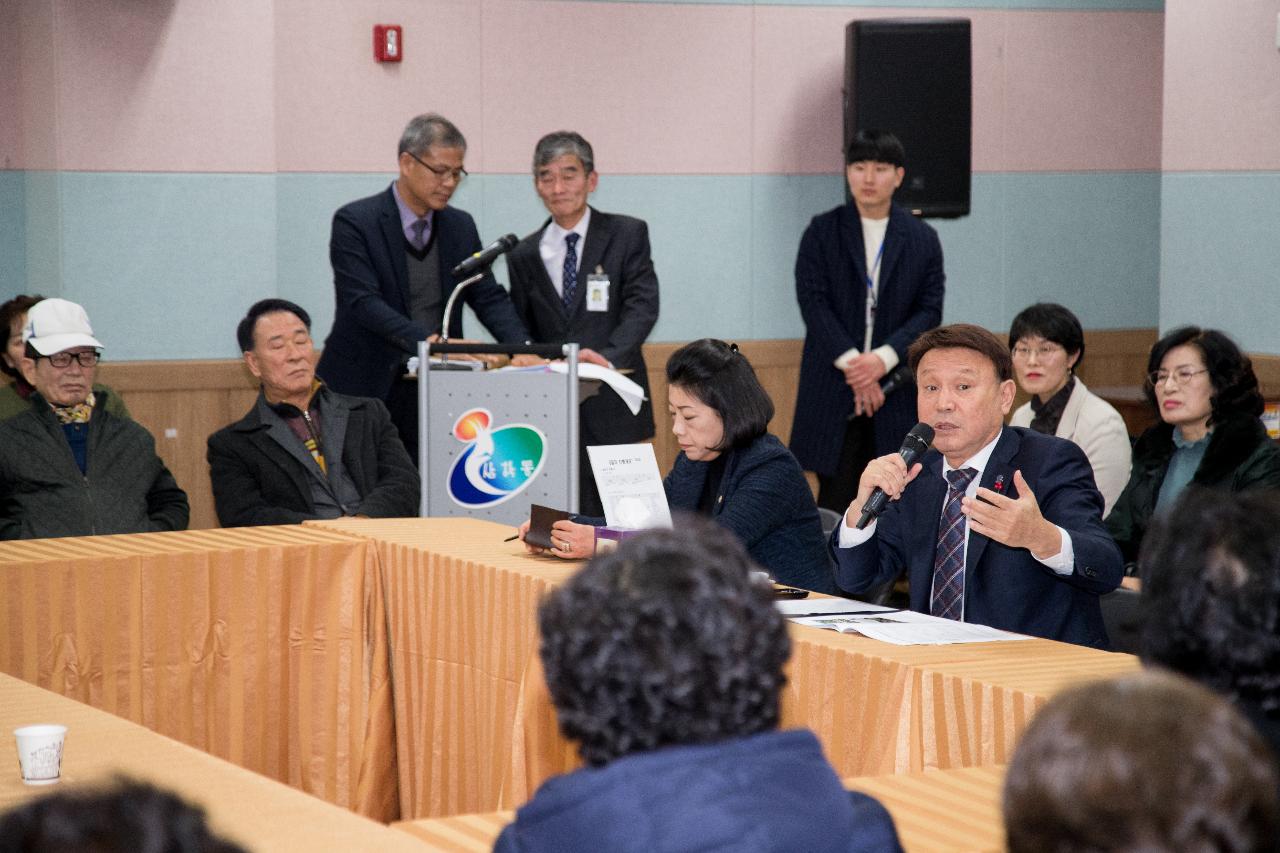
(289, 85)
(1222, 86)
(11, 92)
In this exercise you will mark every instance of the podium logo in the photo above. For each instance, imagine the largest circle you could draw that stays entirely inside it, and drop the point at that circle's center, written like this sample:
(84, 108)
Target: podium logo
(497, 464)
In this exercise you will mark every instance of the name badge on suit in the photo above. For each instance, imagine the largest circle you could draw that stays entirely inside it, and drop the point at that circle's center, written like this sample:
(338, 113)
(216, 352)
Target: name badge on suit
(598, 291)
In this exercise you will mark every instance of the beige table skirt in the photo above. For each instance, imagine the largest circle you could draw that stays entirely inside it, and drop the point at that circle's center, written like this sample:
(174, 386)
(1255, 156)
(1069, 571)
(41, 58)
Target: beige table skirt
(476, 730)
(263, 646)
(260, 814)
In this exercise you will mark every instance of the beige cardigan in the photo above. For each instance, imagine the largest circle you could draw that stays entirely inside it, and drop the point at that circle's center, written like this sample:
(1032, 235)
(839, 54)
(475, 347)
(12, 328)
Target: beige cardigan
(1097, 427)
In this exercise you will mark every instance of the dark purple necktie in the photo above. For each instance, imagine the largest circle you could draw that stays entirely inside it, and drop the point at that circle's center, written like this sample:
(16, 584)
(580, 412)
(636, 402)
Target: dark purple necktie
(948, 563)
(419, 233)
(570, 280)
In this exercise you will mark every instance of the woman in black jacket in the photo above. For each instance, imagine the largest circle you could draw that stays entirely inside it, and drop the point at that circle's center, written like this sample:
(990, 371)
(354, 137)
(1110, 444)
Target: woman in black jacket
(731, 469)
(1206, 394)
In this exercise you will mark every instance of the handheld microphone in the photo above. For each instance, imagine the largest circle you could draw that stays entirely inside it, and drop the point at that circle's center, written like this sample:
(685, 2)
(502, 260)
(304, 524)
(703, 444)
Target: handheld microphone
(899, 377)
(486, 256)
(913, 447)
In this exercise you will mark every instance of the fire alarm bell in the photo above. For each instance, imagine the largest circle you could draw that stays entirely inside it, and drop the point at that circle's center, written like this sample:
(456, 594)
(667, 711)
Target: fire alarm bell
(388, 42)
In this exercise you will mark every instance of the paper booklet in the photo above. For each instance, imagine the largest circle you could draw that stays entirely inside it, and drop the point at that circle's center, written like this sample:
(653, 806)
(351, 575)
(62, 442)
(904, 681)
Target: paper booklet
(630, 486)
(904, 627)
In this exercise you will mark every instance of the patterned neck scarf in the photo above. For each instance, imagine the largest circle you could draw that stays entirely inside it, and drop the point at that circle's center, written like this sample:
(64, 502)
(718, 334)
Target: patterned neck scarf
(77, 414)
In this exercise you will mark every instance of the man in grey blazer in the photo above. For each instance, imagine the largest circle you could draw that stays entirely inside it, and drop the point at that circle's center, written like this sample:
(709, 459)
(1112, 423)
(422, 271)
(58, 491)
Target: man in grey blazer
(586, 276)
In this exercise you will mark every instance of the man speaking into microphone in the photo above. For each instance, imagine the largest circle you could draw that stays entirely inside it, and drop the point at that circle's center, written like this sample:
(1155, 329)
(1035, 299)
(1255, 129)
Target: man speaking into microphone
(393, 257)
(995, 525)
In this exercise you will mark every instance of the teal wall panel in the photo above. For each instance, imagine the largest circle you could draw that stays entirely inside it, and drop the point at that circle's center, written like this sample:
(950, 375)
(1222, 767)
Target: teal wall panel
(1220, 255)
(166, 264)
(44, 233)
(13, 235)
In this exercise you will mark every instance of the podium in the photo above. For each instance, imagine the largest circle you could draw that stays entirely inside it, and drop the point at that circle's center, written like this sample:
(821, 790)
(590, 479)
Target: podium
(490, 443)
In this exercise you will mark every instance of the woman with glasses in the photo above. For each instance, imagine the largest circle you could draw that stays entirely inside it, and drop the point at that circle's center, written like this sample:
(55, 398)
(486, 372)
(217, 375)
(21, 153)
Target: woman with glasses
(1206, 394)
(1047, 343)
(14, 395)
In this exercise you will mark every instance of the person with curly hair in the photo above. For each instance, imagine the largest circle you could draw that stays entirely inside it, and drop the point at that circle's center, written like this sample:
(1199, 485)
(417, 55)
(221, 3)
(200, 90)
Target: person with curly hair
(730, 469)
(126, 817)
(1212, 599)
(1152, 763)
(1206, 394)
(664, 660)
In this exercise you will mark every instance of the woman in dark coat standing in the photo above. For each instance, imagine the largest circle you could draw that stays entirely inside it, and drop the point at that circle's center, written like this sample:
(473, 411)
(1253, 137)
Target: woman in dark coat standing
(1206, 394)
(731, 469)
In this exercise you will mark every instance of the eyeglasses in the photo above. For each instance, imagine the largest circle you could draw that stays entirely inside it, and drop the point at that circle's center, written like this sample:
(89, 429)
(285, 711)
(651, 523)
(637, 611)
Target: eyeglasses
(64, 359)
(1044, 351)
(1181, 376)
(444, 173)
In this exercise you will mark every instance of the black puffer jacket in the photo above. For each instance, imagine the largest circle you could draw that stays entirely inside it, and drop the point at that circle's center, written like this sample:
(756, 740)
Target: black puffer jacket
(127, 488)
(1240, 456)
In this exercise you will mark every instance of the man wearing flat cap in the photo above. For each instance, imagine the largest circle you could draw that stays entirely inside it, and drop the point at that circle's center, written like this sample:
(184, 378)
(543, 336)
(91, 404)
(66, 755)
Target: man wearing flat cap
(68, 466)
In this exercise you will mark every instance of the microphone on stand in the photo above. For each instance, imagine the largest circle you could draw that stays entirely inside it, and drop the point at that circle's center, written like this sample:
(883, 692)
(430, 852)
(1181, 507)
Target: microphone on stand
(487, 255)
(913, 447)
(479, 261)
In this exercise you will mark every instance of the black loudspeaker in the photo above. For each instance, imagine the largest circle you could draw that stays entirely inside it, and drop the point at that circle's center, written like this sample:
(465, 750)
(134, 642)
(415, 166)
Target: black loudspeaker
(914, 78)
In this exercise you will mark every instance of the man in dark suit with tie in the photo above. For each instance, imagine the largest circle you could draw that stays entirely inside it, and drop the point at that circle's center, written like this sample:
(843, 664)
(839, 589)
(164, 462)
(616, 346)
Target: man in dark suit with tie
(869, 280)
(392, 256)
(586, 276)
(996, 525)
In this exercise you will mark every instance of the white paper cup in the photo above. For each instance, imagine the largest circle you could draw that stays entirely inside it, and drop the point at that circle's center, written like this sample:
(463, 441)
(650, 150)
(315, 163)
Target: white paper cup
(40, 753)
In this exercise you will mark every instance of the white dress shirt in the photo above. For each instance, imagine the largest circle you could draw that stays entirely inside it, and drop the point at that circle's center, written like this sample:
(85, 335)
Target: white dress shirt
(873, 234)
(552, 249)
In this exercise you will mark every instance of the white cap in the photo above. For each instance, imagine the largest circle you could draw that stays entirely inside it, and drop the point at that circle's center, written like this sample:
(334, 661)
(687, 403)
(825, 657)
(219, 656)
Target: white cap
(54, 325)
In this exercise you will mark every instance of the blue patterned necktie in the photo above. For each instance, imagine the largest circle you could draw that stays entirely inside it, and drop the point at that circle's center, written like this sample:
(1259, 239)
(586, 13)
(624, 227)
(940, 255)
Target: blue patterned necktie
(948, 563)
(570, 280)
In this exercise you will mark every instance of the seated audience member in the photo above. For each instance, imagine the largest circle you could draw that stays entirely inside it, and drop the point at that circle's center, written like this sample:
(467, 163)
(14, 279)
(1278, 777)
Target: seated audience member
(304, 451)
(68, 466)
(1048, 345)
(664, 660)
(730, 468)
(128, 817)
(1004, 525)
(14, 396)
(1151, 763)
(1206, 394)
(1211, 598)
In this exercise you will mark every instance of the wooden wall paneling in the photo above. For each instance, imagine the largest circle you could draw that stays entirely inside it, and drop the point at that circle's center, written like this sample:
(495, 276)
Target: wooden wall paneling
(181, 404)
(1267, 367)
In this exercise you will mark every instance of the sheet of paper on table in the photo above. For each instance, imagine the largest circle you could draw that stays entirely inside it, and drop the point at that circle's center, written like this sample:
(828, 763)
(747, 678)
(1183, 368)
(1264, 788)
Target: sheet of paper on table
(630, 486)
(906, 628)
(826, 606)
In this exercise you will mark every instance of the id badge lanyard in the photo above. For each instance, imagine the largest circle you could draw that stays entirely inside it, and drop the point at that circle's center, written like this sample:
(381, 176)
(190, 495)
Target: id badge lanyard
(872, 275)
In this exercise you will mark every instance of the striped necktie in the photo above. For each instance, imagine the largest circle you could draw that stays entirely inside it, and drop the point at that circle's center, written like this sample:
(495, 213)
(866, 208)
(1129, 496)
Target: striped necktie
(948, 562)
